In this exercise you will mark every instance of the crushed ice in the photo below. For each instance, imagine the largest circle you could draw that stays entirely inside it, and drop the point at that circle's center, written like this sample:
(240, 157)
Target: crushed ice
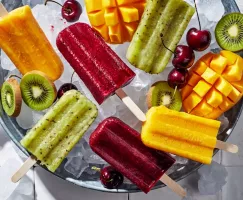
(50, 20)
(212, 178)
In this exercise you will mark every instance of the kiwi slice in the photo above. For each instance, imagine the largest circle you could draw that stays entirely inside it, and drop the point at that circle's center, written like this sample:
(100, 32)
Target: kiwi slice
(38, 91)
(162, 94)
(11, 97)
(229, 32)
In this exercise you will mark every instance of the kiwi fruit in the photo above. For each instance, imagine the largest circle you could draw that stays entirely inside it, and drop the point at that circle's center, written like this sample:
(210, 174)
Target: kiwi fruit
(162, 94)
(38, 91)
(11, 97)
(229, 32)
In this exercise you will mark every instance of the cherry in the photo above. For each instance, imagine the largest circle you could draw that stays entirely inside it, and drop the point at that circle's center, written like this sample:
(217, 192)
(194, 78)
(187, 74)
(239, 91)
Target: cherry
(71, 10)
(198, 40)
(178, 78)
(183, 56)
(64, 88)
(111, 178)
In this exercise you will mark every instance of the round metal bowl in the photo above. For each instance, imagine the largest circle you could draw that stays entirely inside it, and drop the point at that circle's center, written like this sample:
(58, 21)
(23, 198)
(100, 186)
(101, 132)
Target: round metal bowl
(16, 133)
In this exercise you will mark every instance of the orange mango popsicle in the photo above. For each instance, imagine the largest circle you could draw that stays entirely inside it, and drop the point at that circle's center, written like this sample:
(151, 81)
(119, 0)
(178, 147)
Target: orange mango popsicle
(22, 39)
(180, 133)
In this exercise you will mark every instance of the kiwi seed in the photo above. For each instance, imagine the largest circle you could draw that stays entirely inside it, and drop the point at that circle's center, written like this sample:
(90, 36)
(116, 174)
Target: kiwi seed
(38, 90)
(11, 97)
(162, 94)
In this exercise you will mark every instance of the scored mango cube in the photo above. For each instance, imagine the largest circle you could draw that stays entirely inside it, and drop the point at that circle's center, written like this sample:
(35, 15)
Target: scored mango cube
(218, 64)
(210, 76)
(214, 98)
(121, 17)
(218, 84)
(202, 88)
(223, 86)
(234, 72)
(97, 18)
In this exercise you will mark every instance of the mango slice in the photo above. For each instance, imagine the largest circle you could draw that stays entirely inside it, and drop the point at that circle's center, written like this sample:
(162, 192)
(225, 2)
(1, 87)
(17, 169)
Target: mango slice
(215, 85)
(115, 20)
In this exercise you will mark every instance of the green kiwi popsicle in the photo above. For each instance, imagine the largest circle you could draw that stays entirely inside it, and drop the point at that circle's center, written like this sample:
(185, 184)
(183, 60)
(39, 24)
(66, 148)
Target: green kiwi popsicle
(53, 137)
(167, 17)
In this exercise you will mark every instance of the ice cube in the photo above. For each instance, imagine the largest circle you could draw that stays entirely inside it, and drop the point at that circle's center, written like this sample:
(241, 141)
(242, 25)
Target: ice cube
(6, 63)
(214, 5)
(224, 123)
(76, 166)
(6, 172)
(212, 178)
(28, 118)
(32, 3)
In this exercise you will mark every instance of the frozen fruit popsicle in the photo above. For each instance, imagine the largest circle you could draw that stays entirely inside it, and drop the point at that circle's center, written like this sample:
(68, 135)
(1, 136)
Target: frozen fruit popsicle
(121, 147)
(167, 17)
(53, 137)
(183, 134)
(102, 71)
(22, 39)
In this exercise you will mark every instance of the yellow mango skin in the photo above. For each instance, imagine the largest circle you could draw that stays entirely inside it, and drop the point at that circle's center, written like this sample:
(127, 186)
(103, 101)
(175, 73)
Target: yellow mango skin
(22, 39)
(218, 82)
(115, 20)
(180, 133)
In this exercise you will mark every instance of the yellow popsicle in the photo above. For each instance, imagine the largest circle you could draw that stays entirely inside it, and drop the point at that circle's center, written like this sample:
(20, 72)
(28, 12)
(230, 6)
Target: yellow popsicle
(26, 45)
(180, 133)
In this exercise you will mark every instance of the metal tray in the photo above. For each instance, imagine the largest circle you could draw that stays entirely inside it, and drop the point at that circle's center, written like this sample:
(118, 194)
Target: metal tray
(16, 133)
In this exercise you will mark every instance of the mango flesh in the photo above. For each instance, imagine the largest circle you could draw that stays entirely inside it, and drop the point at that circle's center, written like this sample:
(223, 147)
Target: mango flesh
(180, 133)
(215, 85)
(115, 20)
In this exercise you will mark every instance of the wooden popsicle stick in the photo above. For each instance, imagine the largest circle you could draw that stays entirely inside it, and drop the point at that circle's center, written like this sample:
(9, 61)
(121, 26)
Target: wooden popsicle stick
(28, 164)
(175, 187)
(227, 146)
(131, 105)
(3, 10)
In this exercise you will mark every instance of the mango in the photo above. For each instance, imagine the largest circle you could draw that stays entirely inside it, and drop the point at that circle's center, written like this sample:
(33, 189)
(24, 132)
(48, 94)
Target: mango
(115, 20)
(215, 85)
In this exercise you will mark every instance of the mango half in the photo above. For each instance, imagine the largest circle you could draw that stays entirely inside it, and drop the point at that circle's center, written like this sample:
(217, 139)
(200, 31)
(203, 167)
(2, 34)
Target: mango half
(115, 20)
(215, 85)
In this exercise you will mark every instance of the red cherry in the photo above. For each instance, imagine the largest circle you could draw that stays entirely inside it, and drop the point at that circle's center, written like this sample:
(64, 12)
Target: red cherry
(111, 178)
(64, 88)
(199, 40)
(178, 78)
(71, 10)
(183, 57)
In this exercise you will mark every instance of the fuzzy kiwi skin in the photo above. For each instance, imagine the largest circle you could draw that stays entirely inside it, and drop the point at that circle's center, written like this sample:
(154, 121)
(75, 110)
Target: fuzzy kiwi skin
(150, 94)
(47, 78)
(18, 97)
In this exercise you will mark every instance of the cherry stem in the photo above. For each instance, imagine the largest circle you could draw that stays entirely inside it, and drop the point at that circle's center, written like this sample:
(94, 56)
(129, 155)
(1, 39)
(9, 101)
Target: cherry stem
(72, 76)
(161, 36)
(15, 76)
(96, 169)
(174, 92)
(198, 16)
(53, 2)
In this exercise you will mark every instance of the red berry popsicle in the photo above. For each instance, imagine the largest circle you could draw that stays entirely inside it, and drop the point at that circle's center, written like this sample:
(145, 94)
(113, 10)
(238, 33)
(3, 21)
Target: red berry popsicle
(100, 68)
(121, 146)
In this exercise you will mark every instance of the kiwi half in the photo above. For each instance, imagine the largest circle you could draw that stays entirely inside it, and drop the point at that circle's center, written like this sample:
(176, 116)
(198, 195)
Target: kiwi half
(38, 91)
(162, 94)
(229, 32)
(11, 97)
